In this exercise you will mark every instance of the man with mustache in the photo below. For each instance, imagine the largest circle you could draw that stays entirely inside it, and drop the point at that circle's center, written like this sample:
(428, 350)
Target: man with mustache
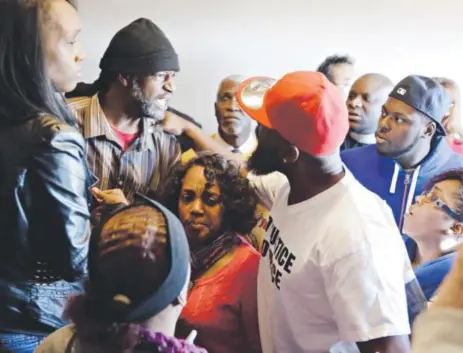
(125, 144)
(410, 146)
(235, 126)
(235, 132)
(364, 102)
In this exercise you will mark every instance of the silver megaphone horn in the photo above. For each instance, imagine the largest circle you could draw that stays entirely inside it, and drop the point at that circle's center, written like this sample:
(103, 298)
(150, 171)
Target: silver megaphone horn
(252, 91)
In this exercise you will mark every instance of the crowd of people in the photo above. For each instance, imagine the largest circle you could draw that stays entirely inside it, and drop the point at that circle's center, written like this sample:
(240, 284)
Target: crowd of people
(324, 216)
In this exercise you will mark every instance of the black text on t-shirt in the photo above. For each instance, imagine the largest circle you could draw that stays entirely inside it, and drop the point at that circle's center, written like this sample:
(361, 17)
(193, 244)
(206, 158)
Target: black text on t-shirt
(281, 259)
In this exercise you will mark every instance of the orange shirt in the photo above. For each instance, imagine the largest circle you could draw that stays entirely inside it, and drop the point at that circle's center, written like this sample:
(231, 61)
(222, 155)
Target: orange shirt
(223, 307)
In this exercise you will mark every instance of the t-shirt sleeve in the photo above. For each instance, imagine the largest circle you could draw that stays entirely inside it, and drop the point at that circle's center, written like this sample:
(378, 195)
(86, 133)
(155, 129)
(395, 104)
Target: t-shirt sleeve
(366, 290)
(267, 186)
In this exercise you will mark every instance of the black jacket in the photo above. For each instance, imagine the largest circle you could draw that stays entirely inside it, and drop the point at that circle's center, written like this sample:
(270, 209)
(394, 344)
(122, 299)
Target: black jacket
(44, 222)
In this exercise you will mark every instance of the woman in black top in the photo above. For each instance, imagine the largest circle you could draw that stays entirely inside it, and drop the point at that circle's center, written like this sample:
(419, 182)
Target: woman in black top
(44, 182)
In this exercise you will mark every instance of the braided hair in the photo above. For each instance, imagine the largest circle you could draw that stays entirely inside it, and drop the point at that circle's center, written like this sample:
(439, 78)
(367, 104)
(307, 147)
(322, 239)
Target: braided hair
(133, 261)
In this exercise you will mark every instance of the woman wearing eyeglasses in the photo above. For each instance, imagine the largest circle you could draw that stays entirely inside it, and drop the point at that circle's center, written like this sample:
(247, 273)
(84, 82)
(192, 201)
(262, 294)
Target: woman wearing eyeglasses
(435, 222)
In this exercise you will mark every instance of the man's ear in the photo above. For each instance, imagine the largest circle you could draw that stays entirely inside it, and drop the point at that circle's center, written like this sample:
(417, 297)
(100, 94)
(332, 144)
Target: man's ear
(123, 80)
(430, 129)
(216, 110)
(290, 154)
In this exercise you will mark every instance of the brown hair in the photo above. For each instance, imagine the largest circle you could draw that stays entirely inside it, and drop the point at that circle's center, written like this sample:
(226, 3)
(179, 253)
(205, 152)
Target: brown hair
(132, 262)
(239, 198)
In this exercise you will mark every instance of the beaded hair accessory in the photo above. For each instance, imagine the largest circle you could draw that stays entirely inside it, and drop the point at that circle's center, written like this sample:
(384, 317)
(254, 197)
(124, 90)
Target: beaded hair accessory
(166, 344)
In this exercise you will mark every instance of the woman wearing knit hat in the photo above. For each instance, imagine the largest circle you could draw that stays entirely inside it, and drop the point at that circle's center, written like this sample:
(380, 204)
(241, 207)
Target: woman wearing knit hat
(130, 308)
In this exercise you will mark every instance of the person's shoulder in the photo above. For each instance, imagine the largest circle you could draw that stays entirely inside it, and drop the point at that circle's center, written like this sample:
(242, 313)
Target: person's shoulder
(79, 103)
(81, 108)
(443, 157)
(159, 135)
(58, 341)
(361, 210)
(456, 160)
(353, 153)
(270, 188)
(358, 199)
(246, 257)
(431, 274)
(250, 253)
(360, 160)
(50, 129)
(442, 263)
(360, 219)
(246, 263)
(367, 209)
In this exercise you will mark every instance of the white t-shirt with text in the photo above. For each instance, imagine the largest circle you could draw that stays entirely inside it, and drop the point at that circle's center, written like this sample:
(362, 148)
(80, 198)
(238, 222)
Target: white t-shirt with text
(333, 269)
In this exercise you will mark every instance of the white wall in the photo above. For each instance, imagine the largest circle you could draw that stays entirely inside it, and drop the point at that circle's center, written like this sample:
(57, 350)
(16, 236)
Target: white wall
(270, 37)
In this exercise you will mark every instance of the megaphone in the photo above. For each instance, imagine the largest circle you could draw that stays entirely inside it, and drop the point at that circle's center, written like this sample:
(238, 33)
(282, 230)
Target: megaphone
(250, 96)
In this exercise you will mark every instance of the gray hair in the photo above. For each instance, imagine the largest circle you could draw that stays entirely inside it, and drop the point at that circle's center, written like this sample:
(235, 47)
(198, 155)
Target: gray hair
(233, 78)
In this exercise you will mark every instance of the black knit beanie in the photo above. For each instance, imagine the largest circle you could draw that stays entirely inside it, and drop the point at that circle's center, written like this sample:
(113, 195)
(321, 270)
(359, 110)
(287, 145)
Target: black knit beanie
(140, 48)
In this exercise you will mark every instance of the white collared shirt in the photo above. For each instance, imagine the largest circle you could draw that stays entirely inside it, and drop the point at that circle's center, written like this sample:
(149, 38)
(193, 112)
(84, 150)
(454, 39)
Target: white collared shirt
(365, 139)
(246, 148)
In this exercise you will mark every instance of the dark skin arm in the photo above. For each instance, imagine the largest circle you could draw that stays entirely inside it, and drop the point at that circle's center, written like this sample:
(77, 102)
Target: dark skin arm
(394, 344)
(176, 125)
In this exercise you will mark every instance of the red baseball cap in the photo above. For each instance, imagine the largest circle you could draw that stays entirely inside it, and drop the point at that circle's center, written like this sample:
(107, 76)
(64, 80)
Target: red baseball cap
(304, 107)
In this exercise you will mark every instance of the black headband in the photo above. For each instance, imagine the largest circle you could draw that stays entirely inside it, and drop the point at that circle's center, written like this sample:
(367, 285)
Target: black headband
(178, 272)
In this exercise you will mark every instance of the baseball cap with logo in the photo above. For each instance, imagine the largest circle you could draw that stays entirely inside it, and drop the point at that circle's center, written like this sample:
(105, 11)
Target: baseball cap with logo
(426, 95)
(303, 107)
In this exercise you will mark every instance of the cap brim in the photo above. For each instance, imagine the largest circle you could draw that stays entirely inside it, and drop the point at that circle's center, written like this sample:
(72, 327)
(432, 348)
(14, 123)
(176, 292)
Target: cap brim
(440, 128)
(251, 97)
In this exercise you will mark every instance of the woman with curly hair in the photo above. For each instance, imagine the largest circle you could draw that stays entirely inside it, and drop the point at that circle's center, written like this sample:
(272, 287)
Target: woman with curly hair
(138, 279)
(435, 223)
(217, 205)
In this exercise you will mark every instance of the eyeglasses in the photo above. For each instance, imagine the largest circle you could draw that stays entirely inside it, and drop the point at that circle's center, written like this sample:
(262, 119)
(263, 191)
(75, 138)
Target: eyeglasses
(429, 197)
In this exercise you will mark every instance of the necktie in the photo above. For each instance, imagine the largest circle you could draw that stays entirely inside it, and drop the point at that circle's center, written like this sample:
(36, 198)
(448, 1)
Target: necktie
(236, 150)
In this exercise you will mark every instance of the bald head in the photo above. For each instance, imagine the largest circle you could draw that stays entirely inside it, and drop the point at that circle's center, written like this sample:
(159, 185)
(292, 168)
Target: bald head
(376, 81)
(451, 87)
(233, 122)
(366, 98)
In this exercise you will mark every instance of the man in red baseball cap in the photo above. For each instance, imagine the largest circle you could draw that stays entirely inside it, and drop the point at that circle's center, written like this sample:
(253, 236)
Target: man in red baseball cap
(334, 268)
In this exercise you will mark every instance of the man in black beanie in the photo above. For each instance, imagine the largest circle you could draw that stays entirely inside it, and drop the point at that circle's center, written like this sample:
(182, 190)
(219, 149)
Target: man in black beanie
(125, 144)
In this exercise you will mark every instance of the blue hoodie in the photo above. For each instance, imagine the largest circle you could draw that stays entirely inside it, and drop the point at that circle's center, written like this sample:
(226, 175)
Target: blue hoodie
(383, 176)
(431, 274)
